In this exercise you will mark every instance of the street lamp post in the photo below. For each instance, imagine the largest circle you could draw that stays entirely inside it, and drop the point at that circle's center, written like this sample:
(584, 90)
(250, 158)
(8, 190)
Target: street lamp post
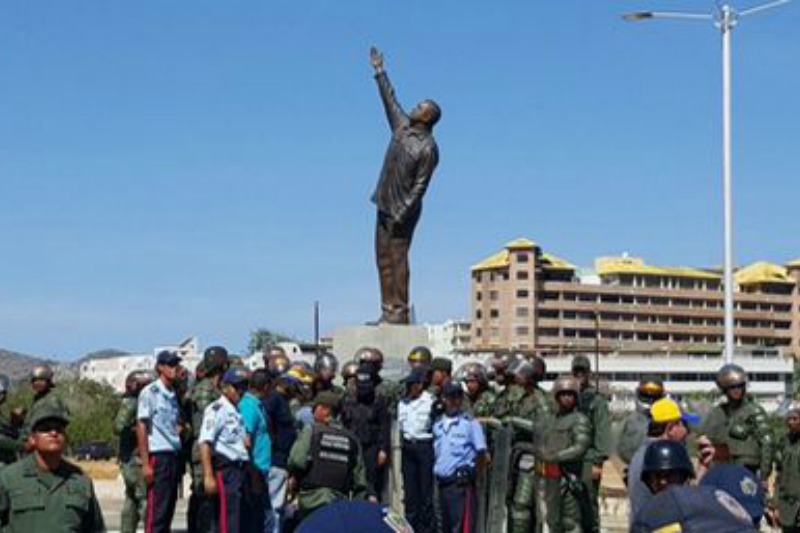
(725, 18)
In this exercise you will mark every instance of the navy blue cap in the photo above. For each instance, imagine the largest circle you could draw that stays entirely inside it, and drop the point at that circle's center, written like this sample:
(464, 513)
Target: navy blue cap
(235, 376)
(452, 389)
(168, 357)
(690, 509)
(417, 375)
(740, 483)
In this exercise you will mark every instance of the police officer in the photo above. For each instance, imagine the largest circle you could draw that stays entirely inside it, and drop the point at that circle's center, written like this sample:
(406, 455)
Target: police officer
(158, 442)
(595, 406)
(478, 398)
(414, 425)
(460, 450)
(561, 456)
(130, 464)
(325, 367)
(666, 464)
(634, 428)
(366, 416)
(205, 392)
(738, 426)
(10, 444)
(326, 459)
(786, 501)
(43, 493)
(349, 372)
(223, 450)
(528, 417)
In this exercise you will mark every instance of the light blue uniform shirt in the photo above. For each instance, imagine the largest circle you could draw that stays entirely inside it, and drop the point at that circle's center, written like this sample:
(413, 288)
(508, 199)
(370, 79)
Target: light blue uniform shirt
(223, 429)
(414, 417)
(158, 408)
(457, 441)
(254, 417)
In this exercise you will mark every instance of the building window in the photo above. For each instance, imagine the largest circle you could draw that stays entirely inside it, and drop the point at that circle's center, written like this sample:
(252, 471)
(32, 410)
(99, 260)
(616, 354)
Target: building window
(495, 333)
(522, 257)
(521, 312)
(478, 296)
(478, 332)
(494, 313)
(522, 274)
(478, 314)
(494, 296)
(522, 330)
(522, 293)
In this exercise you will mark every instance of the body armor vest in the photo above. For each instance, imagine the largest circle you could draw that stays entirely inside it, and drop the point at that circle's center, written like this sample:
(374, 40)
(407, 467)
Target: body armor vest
(333, 458)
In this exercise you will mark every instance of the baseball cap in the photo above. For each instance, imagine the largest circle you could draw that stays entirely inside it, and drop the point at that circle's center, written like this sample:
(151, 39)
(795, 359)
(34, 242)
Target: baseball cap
(328, 398)
(47, 412)
(168, 357)
(235, 376)
(740, 483)
(688, 509)
(667, 410)
(452, 389)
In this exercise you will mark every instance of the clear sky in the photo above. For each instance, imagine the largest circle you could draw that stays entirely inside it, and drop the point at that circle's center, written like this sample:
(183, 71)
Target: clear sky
(176, 167)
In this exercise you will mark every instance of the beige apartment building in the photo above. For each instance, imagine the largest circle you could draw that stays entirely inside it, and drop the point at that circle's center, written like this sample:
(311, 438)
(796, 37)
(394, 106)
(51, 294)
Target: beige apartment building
(526, 299)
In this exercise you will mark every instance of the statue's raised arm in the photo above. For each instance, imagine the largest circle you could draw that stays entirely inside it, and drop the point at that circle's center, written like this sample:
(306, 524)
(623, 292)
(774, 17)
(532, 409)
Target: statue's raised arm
(394, 111)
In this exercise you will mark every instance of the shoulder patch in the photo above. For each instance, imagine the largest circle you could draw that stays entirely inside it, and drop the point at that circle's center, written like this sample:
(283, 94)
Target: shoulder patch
(731, 505)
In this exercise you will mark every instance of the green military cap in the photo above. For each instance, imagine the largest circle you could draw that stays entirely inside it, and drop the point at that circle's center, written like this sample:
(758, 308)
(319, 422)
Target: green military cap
(328, 398)
(47, 412)
(581, 362)
(440, 363)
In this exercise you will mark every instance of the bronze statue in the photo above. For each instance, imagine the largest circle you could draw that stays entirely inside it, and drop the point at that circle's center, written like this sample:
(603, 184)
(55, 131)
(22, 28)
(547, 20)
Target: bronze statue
(409, 163)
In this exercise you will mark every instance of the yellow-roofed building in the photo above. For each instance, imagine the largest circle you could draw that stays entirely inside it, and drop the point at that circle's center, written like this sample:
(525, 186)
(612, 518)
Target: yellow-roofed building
(526, 299)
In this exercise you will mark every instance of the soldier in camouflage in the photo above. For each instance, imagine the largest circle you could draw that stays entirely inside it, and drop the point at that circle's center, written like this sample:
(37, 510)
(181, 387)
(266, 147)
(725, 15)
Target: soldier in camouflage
(561, 456)
(44, 395)
(10, 444)
(595, 406)
(133, 509)
(528, 417)
(201, 508)
(634, 428)
(479, 398)
(785, 505)
(738, 426)
(509, 394)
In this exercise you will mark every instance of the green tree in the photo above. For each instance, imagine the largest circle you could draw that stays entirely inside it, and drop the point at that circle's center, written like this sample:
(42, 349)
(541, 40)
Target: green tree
(262, 338)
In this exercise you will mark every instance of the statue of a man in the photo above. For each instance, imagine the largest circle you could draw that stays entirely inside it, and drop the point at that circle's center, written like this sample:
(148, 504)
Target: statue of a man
(407, 169)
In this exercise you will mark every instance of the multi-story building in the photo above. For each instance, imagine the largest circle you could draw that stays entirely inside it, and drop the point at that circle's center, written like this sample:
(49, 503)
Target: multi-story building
(529, 300)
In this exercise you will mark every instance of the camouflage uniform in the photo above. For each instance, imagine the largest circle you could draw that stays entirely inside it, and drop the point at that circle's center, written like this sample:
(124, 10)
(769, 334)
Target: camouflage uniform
(787, 483)
(595, 406)
(741, 434)
(201, 508)
(481, 406)
(633, 432)
(10, 444)
(130, 464)
(506, 401)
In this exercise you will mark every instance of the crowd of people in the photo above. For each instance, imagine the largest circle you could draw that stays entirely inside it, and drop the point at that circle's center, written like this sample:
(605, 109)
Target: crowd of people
(267, 448)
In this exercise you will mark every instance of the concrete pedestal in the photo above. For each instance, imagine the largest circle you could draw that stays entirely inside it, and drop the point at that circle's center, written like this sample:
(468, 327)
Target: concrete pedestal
(394, 341)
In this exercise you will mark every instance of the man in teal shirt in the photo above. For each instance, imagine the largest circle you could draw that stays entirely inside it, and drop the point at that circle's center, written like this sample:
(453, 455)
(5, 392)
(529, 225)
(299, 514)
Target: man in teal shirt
(258, 516)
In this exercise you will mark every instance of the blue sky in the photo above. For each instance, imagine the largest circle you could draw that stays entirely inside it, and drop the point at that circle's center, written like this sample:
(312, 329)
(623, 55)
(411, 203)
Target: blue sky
(179, 167)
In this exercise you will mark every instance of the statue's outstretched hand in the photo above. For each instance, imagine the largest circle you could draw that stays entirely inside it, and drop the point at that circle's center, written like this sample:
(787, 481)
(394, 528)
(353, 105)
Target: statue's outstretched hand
(376, 58)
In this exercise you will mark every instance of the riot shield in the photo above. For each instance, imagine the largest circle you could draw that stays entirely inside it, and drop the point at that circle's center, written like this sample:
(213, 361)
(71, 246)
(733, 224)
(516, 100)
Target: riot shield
(497, 481)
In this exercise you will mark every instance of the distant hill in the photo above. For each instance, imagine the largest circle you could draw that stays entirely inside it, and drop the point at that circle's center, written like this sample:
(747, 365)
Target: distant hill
(17, 366)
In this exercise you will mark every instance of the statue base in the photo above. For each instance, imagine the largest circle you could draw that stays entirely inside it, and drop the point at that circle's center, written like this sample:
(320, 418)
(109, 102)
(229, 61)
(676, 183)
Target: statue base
(394, 341)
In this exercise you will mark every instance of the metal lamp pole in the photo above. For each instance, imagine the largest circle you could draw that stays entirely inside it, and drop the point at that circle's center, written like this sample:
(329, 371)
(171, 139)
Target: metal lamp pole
(725, 18)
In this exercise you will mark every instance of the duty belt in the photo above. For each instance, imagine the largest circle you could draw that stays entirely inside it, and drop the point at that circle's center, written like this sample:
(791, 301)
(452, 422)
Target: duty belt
(548, 470)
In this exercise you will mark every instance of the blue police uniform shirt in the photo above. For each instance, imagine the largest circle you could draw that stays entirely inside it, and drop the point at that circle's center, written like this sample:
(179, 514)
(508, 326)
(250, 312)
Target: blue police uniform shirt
(414, 417)
(223, 429)
(254, 416)
(457, 441)
(158, 409)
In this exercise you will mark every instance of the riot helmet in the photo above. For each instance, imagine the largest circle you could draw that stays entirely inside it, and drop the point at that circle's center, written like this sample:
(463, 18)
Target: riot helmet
(419, 356)
(666, 462)
(42, 371)
(326, 366)
(137, 380)
(349, 370)
(215, 361)
(566, 384)
(373, 356)
(731, 376)
(278, 364)
(650, 389)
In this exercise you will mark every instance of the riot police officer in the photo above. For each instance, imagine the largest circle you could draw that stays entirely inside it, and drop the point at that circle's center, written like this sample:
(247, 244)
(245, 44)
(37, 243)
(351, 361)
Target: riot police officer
(349, 373)
(510, 393)
(41, 379)
(666, 463)
(325, 367)
(738, 426)
(390, 390)
(10, 444)
(366, 416)
(561, 456)
(133, 509)
(205, 392)
(595, 406)
(479, 398)
(326, 459)
(419, 356)
(786, 502)
(528, 417)
(634, 428)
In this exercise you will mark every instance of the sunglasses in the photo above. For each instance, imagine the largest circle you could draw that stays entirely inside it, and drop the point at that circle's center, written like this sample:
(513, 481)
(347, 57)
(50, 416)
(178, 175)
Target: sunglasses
(50, 426)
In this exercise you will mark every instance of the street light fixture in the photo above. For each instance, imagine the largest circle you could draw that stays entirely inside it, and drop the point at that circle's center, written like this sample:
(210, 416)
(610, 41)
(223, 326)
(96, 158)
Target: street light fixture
(725, 18)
